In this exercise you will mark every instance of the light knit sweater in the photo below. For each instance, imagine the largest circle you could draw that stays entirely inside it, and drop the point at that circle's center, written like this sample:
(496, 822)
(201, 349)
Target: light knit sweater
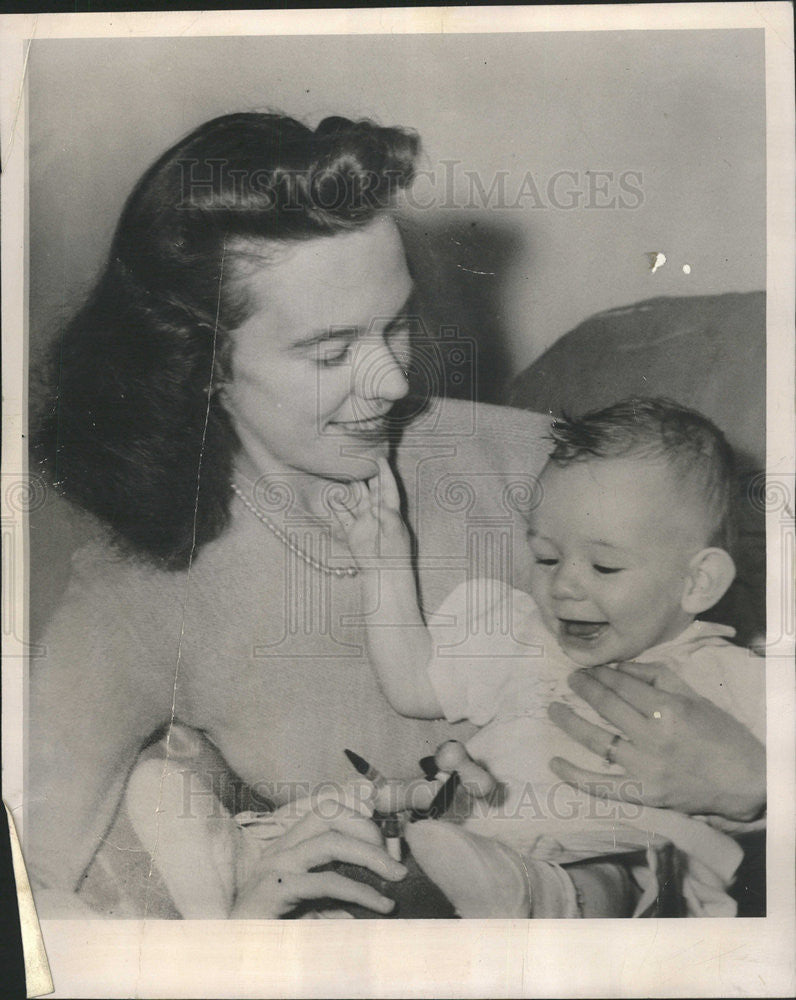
(254, 648)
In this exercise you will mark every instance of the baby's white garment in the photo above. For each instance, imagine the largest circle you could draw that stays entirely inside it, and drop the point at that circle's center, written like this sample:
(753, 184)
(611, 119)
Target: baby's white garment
(496, 664)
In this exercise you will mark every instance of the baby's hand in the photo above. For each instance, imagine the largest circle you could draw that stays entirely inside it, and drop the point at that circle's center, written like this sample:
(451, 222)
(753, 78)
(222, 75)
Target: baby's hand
(372, 525)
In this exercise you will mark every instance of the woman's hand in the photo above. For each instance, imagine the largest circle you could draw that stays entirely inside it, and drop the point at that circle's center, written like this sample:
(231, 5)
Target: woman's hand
(678, 751)
(284, 877)
(372, 525)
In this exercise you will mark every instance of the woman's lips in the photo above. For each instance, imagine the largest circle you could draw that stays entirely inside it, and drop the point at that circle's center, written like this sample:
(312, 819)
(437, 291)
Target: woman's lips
(578, 630)
(372, 429)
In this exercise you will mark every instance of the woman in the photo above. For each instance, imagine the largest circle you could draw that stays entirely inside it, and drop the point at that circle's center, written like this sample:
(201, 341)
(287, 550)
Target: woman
(244, 356)
(239, 362)
(682, 751)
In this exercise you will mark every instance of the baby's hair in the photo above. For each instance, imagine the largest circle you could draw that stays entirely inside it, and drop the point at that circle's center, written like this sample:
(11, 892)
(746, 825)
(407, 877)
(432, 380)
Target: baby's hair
(658, 430)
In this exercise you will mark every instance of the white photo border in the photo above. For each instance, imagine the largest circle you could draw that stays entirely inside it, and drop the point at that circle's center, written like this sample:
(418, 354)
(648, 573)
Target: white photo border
(753, 957)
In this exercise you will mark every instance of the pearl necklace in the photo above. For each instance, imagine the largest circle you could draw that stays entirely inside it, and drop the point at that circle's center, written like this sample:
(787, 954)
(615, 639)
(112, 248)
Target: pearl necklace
(288, 542)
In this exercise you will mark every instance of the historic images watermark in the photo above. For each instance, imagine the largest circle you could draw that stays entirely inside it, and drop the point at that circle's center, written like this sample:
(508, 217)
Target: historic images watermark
(22, 494)
(449, 185)
(452, 186)
(212, 794)
(775, 496)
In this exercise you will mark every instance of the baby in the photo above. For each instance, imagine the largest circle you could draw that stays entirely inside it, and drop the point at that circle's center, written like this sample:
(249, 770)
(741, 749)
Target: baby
(630, 543)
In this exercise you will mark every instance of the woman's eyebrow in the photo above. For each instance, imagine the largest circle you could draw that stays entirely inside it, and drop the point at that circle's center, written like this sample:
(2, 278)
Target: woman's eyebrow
(352, 332)
(329, 333)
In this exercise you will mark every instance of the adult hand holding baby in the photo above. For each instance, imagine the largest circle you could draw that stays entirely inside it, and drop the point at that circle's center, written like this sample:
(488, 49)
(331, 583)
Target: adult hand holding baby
(679, 750)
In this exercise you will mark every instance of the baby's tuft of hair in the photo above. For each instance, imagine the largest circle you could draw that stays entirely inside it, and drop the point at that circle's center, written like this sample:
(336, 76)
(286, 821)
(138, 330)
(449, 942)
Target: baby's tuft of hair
(659, 430)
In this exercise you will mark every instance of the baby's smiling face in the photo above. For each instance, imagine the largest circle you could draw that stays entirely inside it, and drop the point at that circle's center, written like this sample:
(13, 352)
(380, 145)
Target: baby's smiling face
(612, 540)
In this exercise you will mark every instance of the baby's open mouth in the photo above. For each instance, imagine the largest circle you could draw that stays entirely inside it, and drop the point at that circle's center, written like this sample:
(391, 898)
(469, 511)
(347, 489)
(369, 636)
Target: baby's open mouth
(574, 628)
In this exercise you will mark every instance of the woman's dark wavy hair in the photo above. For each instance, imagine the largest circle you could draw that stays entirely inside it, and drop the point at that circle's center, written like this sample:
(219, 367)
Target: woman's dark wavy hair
(132, 423)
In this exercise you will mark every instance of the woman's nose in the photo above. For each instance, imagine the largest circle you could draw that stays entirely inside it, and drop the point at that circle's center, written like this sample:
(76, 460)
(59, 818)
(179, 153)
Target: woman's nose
(566, 582)
(379, 373)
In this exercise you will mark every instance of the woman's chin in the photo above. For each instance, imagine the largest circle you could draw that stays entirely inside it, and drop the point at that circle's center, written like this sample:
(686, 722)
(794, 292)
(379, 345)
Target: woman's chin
(358, 460)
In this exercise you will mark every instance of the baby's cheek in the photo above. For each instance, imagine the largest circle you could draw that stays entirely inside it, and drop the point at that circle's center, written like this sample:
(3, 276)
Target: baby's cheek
(537, 587)
(550, 621)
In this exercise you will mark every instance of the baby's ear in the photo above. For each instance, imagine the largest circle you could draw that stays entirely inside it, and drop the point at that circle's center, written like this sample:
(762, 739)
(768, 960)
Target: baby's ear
(710, 574)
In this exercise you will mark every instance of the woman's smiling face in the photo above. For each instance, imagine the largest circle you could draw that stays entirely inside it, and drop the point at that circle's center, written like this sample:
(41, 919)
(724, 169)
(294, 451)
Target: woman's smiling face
(321, 359)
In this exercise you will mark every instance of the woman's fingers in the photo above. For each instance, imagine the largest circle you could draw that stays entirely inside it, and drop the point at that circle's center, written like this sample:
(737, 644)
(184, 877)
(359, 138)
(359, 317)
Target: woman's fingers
(594, 738)
(314, 841)
(661, 677)
(279, 890)
(683, 751)
(605, 691)
(317, 885)
(605, 786)
(346, 821)
(352, 824)
(335, 846)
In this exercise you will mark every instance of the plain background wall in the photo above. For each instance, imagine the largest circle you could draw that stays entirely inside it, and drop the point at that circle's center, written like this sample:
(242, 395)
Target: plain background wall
(685, 110)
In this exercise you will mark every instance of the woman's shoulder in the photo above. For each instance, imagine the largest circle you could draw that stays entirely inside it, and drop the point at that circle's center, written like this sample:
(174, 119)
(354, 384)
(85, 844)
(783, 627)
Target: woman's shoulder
(465, 418)
(100, 565)
(510, 421)
(113, 633)
(479, 437)
(111, 589)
